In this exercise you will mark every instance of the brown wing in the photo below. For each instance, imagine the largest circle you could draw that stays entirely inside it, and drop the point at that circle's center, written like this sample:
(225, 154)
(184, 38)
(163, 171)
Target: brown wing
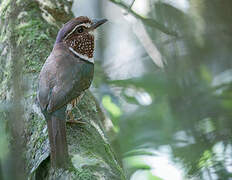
(63, 78)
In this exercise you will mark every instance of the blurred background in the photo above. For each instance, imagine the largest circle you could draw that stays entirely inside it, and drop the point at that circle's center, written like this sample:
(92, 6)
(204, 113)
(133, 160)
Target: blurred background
(164, 78)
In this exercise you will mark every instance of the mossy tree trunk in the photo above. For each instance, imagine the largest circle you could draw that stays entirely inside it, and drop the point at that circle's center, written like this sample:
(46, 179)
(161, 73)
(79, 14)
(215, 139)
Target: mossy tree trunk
(28, 31)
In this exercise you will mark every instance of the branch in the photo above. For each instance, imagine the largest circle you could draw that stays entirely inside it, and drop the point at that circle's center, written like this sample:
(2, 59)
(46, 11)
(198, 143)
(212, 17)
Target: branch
(148, 45)
(148, 21)
(29, 42)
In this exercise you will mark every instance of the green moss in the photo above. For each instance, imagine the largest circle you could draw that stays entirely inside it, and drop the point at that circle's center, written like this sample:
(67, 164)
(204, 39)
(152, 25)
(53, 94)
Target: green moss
(86, 174)
(33, 35)
(4, 7)
(4, 138)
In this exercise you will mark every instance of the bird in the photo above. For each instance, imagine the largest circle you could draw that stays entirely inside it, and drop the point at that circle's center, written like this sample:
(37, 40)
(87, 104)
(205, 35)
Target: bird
(66, 74)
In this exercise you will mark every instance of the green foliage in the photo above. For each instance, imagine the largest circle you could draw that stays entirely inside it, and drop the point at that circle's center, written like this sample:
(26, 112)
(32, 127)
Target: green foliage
(111, 107)
(191, 106)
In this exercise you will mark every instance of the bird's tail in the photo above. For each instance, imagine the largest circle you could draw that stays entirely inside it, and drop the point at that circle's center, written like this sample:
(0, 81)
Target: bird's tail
(57, 138)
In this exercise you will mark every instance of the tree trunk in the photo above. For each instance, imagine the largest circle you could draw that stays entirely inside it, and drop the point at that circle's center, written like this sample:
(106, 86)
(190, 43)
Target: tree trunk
(28, 31)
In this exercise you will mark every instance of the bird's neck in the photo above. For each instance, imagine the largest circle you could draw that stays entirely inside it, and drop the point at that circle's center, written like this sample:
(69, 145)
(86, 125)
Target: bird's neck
(84, 57)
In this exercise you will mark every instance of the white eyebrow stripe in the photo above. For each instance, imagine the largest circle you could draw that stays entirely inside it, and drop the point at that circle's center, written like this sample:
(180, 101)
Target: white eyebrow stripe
(87, 25)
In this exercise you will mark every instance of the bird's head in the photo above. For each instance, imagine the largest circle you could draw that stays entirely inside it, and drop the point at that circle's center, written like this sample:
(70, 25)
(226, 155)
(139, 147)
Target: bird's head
(78, 35)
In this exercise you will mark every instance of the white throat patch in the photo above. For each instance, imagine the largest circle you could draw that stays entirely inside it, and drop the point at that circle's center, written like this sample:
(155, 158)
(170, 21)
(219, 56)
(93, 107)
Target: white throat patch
(86, 58)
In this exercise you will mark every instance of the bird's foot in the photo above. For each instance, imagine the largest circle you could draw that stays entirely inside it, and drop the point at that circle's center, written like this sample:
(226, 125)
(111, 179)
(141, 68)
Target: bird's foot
(73, 121)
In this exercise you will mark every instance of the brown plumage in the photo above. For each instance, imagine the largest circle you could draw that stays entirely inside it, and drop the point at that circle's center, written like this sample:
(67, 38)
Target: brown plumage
(66, 74)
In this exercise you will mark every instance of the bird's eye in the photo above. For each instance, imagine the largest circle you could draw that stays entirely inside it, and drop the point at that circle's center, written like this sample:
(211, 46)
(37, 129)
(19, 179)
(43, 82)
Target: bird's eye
(80, 29)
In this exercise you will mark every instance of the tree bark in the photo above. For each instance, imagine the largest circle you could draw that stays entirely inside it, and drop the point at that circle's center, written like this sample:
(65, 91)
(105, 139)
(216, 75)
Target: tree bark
(28, 31)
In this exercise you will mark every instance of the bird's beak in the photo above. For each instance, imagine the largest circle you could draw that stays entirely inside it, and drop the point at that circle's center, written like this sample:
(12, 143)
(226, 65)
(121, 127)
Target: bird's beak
(97, 23)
